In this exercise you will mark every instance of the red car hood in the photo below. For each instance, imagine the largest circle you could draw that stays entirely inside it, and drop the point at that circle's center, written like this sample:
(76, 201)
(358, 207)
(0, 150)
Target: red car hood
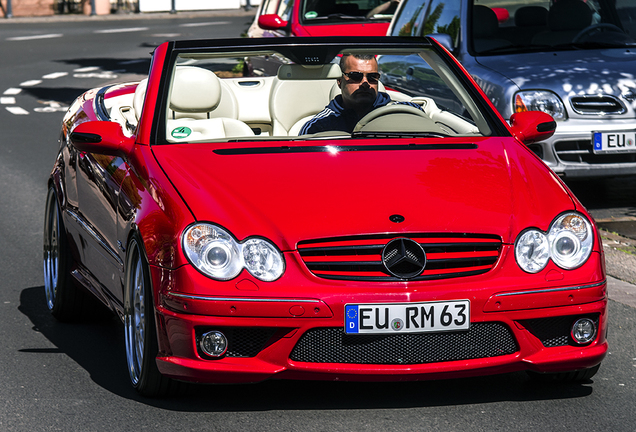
(498, 187)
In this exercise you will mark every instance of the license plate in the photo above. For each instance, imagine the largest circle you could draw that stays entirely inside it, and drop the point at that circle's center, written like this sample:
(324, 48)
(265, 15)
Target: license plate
(407, 317)
(614, 142)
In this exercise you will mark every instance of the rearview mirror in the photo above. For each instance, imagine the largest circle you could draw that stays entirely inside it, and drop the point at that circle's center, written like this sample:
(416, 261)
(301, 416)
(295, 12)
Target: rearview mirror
(103, 137)
(271, 22)
(532, 126)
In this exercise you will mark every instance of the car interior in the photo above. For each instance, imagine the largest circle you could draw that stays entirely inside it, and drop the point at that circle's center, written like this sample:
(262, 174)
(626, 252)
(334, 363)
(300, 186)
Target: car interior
(208, 106)
(499, 25)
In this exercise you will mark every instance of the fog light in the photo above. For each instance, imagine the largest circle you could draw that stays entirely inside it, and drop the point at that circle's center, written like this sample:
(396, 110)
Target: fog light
(584, 330)
(213, 343)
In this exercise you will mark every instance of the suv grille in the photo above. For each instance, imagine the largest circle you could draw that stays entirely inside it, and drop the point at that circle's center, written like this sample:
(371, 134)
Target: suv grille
(332, 345)
(597, 105)
(360, 258)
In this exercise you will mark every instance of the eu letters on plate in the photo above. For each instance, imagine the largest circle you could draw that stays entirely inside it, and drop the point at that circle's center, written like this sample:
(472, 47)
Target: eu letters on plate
(614, 142)
(407, 317)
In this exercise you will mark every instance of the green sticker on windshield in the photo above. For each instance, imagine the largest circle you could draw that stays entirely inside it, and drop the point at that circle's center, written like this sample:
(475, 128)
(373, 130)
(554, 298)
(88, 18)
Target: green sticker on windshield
(311, 15)
(181, 132)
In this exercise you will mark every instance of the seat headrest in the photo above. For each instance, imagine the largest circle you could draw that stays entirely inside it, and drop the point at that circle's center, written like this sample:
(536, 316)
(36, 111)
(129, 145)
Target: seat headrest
(194, 90)
(531, 16)
(302, 72)
(569, 15)
(485, 22)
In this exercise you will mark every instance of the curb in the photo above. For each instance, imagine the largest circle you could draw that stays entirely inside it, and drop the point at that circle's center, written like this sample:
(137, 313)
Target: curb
(130, 16)
(620, 263)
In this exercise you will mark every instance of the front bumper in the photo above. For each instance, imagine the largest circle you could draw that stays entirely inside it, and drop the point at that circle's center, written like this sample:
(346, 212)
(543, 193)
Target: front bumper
(298, 337)
(569, 151)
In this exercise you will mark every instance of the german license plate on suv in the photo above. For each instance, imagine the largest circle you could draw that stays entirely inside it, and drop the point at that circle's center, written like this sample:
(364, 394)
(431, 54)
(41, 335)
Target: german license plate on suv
(614, 142)
(407, 317)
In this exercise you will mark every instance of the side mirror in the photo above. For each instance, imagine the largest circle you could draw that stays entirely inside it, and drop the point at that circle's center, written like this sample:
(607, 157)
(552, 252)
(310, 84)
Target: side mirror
(532, 126)
(102, 137)
(271, 22)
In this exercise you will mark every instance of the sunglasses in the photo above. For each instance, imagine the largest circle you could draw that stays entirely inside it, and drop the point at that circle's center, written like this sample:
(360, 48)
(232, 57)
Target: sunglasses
(356, 77)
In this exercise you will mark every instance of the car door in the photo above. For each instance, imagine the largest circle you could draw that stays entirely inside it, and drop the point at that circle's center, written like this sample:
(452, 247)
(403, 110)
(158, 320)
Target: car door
(99, 180)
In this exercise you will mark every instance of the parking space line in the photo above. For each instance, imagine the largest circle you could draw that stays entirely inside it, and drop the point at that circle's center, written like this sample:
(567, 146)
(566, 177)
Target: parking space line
(12, 91)
(121, 30)
(17, 110)
(34, 37)
(54, 75)
(30, 83)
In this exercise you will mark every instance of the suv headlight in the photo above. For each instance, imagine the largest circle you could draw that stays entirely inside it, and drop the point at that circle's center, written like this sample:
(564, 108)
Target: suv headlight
(540, 100)
(568, 244)
(215, 253)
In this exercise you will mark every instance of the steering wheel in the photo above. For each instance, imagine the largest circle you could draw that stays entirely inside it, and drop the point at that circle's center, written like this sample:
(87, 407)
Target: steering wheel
(590, 30)
(387, 110)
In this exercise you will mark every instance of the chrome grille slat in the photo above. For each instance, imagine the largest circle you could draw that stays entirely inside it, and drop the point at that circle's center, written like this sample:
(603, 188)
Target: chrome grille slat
(359, 258)
(597, 105)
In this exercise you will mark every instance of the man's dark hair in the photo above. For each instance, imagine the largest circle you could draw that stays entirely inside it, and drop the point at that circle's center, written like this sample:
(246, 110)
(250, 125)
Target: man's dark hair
(358, 56)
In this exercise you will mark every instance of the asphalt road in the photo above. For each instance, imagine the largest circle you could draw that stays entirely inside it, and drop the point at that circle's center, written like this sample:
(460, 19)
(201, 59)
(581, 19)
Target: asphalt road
(73, 377)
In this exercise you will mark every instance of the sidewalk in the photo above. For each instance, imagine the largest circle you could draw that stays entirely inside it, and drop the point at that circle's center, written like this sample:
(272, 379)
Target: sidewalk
(130, 16)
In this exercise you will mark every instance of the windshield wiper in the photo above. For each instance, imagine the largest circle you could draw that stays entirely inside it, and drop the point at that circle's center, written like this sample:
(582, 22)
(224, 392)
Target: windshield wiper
(597, 44)
(342, 17)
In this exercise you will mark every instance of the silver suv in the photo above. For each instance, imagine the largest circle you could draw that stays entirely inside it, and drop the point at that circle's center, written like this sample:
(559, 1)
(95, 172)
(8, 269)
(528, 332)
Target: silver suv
(574, 59)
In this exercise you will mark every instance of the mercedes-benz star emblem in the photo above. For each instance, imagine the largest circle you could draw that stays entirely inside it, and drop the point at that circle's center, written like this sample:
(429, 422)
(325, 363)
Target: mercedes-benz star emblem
(404, 258)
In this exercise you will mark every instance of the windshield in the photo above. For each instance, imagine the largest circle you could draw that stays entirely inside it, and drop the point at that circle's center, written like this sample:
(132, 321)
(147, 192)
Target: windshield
(414, 93)
(507, 26)
(336, 11)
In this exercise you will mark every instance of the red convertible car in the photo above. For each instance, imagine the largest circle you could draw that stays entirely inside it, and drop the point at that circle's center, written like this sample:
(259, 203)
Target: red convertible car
(429, 242)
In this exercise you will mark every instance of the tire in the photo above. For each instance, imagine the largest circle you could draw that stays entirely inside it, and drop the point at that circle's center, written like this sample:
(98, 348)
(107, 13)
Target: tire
(64, 299)
(140, 329)
(572, 377)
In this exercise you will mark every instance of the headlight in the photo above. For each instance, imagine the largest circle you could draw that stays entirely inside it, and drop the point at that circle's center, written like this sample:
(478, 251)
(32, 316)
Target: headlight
(568, 243)
(570, 240)
(215, 252)
(532, 251)
(540, 100)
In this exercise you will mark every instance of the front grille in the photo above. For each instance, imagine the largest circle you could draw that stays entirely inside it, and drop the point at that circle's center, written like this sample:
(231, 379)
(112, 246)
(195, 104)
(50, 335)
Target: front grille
(242, 341)
(581, 152)
(597, 105)
(360, 257)
(332, 345)
(553, 332)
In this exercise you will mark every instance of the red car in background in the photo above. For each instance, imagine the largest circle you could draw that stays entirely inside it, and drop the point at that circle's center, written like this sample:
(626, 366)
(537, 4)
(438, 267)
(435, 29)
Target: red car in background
(277, 18)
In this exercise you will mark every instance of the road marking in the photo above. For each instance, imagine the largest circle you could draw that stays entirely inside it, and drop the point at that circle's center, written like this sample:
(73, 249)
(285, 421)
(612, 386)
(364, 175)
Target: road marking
(53, 106)
(54, 75)
(12, 91)
(17, 110)
(166, 35)
(201, 24)
(30, 83)
(100, 75)
(122, 30)
(44, 36)
(86, 69)
(7, 100)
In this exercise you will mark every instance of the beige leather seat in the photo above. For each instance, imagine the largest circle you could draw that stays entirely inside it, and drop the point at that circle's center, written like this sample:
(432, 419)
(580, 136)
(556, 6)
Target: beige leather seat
(139, 96)
(299, 93)
(202, 107)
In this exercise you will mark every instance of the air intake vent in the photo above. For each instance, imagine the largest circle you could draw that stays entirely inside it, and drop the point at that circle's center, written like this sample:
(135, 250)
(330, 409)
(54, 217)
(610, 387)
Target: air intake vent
(332, 345)
(597, 105)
